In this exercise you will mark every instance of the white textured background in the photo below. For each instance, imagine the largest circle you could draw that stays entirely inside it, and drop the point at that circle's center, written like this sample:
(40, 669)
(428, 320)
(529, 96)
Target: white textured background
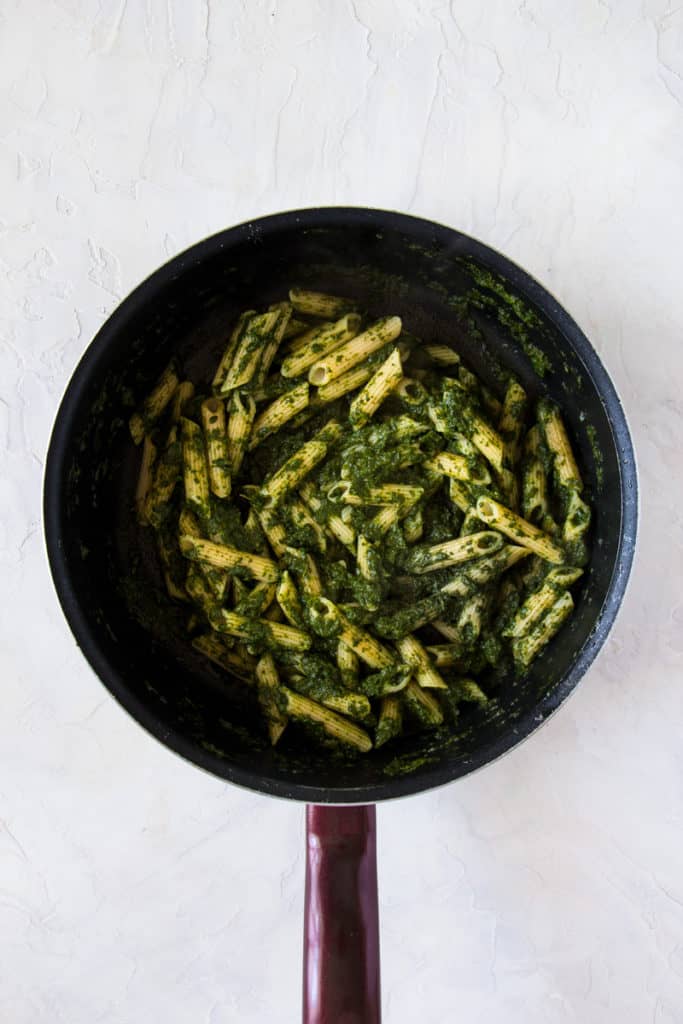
(133, 888)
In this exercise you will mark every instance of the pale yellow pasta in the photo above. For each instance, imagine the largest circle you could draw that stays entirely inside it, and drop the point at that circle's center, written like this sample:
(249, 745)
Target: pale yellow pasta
(229, 354)
(268, 690)
(353, 705)
(431, 558)
(469, 621)
(438, 417)
(237, 663)
(195, 468)
(345, 534)
(242, 414)
(255, 335)
(413, 525)
(411, 391)
(303, 520)
(311, 303)
(556, 438)
(577, 519)
(274, 531)
(288, 477)
(188, 524)
(459, 494)
(458, 467)
(246, 628)
(256, 601)
(145, 477)
(273, 340)
(526, 647)
(425, 705)
(385, 519)
(182, 395)
(306, 334)
(384, 494)
(154, 404)
(320, 343)
(470, 524)
(442, 355)
(213, 421)
(538, 603)
(217, 579)
(197, 586)
(518, 529)
(294, 329)
(415, 657)
(369, 650)
(390, 720)
(364, 558)
(306, 571)
(222, 556)
(348, 665)
(483, 570)
(509, 487)
(344, 384)
(274, 613)
(445, 655)
(288, 599)
(334, 725)
(488, 441)
(447, 630)
(534, 480)
(378, 388)
(279, 412)
(355, 351)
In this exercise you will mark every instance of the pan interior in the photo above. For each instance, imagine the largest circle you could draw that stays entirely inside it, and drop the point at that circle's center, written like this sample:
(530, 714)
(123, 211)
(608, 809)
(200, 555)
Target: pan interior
(446, 287)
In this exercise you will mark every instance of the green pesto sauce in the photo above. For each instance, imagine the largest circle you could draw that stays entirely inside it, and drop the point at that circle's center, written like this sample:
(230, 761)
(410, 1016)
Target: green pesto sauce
(598, 457)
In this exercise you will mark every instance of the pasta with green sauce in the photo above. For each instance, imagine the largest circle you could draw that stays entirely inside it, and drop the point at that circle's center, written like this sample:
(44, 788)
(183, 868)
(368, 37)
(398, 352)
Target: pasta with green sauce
(372, 547)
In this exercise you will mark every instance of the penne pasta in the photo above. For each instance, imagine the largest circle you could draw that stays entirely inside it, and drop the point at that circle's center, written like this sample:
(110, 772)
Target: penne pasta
(269, 689)
(390, 722)
(311, 303)
(381, 384)
(288, 600)
(242, 414)
(228, 356)
(255, 334)
(355, 351)
(250, 630)
(195, 468)
(155, 403)
(451, 552)
(322, 548)
(518, 529)
(557, 440)
(279, 412)
(526, 647)
(318, 343)
(333, 724)
(416, 657)
(288, 477)
(182, 395)
(222, 556)
(240, 665)
(217, 451)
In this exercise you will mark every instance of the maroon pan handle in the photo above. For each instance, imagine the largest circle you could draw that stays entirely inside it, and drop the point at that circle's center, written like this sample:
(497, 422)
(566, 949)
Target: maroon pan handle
(341, 921)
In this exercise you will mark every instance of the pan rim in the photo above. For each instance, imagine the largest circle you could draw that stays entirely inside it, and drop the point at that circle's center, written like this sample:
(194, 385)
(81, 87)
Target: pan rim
(54, 508)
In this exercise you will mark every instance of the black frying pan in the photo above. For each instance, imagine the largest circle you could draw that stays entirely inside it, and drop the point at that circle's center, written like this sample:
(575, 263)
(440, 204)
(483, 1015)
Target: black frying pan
(445, 286)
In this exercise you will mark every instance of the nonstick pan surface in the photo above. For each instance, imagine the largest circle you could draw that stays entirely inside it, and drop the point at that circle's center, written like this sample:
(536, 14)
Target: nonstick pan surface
(445, 286)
